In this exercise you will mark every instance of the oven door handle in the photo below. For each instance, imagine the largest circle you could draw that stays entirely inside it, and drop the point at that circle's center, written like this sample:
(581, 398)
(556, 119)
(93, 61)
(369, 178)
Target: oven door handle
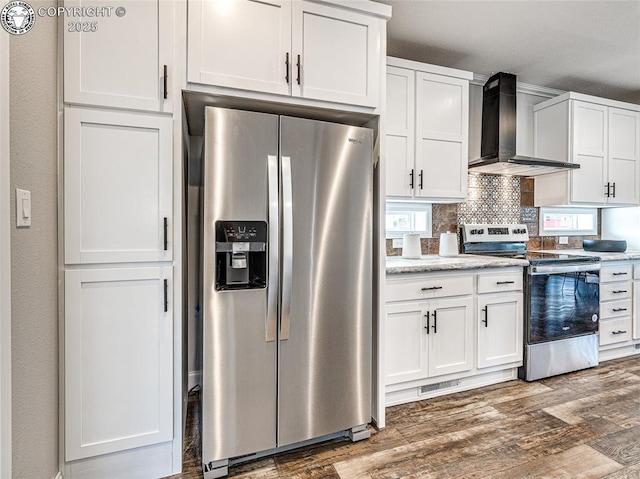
(574, 268)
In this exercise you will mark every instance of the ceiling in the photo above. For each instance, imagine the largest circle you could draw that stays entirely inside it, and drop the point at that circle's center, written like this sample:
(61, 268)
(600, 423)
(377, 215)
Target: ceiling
(590, 47)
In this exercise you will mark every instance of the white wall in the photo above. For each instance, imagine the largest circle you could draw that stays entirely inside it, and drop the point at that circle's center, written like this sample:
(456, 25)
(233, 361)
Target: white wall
(34, 272)
(5, 269)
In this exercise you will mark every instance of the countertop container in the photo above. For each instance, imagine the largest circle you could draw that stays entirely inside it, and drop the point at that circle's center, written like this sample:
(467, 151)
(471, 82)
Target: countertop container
(411, 246)
(448, 244)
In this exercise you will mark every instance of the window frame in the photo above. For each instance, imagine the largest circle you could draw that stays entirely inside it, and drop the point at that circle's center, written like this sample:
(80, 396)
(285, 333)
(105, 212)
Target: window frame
(542, 231)
(410, 207)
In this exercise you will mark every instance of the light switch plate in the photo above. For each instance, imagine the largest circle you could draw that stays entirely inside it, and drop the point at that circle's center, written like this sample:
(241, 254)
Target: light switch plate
(397, 242)
(563, 240)
(23, 208)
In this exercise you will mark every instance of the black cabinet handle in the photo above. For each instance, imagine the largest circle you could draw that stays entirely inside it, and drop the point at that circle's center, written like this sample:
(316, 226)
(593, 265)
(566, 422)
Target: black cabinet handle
(427, 326)
(432, 288)
(435, 323)
(505, 282)
(608, 192)
(617, 310)
(165, 82)
(613, 189)
(421, 176)
(166, 233)
(486, 316)
(618, 332)
(620, 274)
(298, 65)
(286, 68)
(618, 291)
(166, 297)
(411, 176)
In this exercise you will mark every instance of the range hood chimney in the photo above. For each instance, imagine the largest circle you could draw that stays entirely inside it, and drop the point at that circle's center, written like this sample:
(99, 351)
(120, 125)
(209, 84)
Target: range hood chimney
(498, 149)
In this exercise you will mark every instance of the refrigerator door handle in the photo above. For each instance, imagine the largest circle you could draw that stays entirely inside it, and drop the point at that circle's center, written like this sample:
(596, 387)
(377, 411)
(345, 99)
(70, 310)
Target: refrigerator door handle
(273, 249)
(287, 247)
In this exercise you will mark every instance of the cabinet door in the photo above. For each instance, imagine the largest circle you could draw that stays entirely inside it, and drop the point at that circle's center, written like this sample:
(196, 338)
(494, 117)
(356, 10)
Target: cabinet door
(636, 310)
(338, 52)
(590, 151)
(624, 156)
(442, 130)
(240, 44)
(499, 329)
(400, 131)
(118, 360)
(119, 61)
(450, 336)
(406, 340)
(118, 188)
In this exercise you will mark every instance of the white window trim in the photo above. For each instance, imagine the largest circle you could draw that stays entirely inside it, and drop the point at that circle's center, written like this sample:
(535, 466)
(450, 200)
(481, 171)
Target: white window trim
(411, 206)
(568, 210)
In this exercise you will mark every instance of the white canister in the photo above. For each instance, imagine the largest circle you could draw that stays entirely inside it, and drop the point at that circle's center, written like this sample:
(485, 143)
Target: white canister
(448, 244)
(411, 245)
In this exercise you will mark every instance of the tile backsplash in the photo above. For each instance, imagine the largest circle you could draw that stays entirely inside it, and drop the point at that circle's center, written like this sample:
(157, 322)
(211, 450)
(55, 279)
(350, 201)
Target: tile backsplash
(491, 199)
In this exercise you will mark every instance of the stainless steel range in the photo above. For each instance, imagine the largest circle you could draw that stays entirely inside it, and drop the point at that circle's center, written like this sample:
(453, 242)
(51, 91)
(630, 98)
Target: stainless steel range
(562, 300)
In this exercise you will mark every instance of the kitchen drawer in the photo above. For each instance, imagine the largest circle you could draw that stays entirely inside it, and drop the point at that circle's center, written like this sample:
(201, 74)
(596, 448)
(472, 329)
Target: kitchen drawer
(429, 286)
(615, 331)
(618, 272)
(636, 271)
(501, 281)
(616, 291)
(613, 309)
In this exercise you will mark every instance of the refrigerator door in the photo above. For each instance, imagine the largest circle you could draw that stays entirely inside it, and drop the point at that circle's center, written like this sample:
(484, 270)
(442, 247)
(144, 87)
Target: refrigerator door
(239, 347)
(326, 314)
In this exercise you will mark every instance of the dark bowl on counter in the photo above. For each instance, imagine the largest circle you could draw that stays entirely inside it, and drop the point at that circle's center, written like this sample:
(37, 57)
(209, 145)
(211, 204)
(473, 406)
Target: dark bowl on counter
(605, 246)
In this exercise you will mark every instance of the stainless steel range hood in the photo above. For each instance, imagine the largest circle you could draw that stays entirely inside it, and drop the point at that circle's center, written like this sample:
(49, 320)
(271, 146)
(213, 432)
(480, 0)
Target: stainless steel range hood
(498, 148)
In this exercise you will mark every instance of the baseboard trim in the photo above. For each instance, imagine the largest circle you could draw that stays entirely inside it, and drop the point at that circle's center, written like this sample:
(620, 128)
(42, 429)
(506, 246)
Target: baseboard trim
(195, 378)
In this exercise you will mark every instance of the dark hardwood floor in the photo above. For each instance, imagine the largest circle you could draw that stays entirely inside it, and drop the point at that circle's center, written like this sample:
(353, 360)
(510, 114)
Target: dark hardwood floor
(580, 425)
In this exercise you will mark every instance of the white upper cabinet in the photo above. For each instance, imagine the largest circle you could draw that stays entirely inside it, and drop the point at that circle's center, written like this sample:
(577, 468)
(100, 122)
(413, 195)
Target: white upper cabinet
(427, 132)
(117, 187)
(241, 44)
(120, 61)
(320, 51)
(603, 136)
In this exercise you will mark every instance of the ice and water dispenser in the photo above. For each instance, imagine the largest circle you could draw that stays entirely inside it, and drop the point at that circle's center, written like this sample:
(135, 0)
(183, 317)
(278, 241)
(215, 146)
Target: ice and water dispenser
(241, 255)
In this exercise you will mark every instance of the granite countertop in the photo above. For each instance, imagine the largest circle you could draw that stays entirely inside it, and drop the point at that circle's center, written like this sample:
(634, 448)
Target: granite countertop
(627, 255)
(433, 262)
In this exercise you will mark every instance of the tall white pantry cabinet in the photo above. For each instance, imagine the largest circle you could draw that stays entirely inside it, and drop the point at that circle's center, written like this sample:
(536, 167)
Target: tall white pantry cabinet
(120, 226)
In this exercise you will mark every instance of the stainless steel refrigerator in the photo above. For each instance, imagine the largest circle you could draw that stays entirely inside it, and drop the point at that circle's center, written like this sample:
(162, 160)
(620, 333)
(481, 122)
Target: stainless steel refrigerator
(287, 282)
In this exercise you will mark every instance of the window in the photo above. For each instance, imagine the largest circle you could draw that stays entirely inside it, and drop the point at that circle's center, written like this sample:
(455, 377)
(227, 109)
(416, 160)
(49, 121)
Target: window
(408, 218)
(568, 221)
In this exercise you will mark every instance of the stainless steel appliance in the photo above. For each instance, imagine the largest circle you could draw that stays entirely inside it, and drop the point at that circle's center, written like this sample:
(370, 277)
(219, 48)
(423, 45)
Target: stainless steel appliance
(287, 283)
(498, 142)
(562, 300)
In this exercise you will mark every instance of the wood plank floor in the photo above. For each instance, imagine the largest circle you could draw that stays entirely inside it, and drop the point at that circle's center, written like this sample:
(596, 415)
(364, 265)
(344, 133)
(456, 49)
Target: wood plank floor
(580, 425)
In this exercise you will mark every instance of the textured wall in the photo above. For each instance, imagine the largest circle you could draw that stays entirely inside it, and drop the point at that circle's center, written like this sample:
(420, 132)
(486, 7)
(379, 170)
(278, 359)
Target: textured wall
(34, 252)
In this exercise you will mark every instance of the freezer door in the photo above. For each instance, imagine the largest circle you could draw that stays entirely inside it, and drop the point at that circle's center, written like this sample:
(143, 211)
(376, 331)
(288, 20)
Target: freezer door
(326, 315)
(239, 347)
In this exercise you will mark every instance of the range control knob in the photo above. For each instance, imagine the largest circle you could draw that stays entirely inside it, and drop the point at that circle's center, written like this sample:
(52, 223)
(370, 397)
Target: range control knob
(480, 231)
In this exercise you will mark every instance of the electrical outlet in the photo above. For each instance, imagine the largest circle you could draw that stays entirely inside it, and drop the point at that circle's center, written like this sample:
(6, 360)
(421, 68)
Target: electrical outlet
(563, 240)
(397, 242)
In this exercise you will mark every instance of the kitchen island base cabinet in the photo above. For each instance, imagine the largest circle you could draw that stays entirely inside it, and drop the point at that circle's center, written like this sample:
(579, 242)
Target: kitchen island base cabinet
(118, 360)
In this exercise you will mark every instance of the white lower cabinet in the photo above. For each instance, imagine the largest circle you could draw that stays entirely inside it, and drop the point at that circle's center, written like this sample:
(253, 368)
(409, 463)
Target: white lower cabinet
(118, 359)
(616, 303)
(499, 329)
(431, 340)
(636, 301)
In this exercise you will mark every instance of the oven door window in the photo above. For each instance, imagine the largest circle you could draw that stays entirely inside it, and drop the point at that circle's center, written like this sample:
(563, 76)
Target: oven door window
(563, 305)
